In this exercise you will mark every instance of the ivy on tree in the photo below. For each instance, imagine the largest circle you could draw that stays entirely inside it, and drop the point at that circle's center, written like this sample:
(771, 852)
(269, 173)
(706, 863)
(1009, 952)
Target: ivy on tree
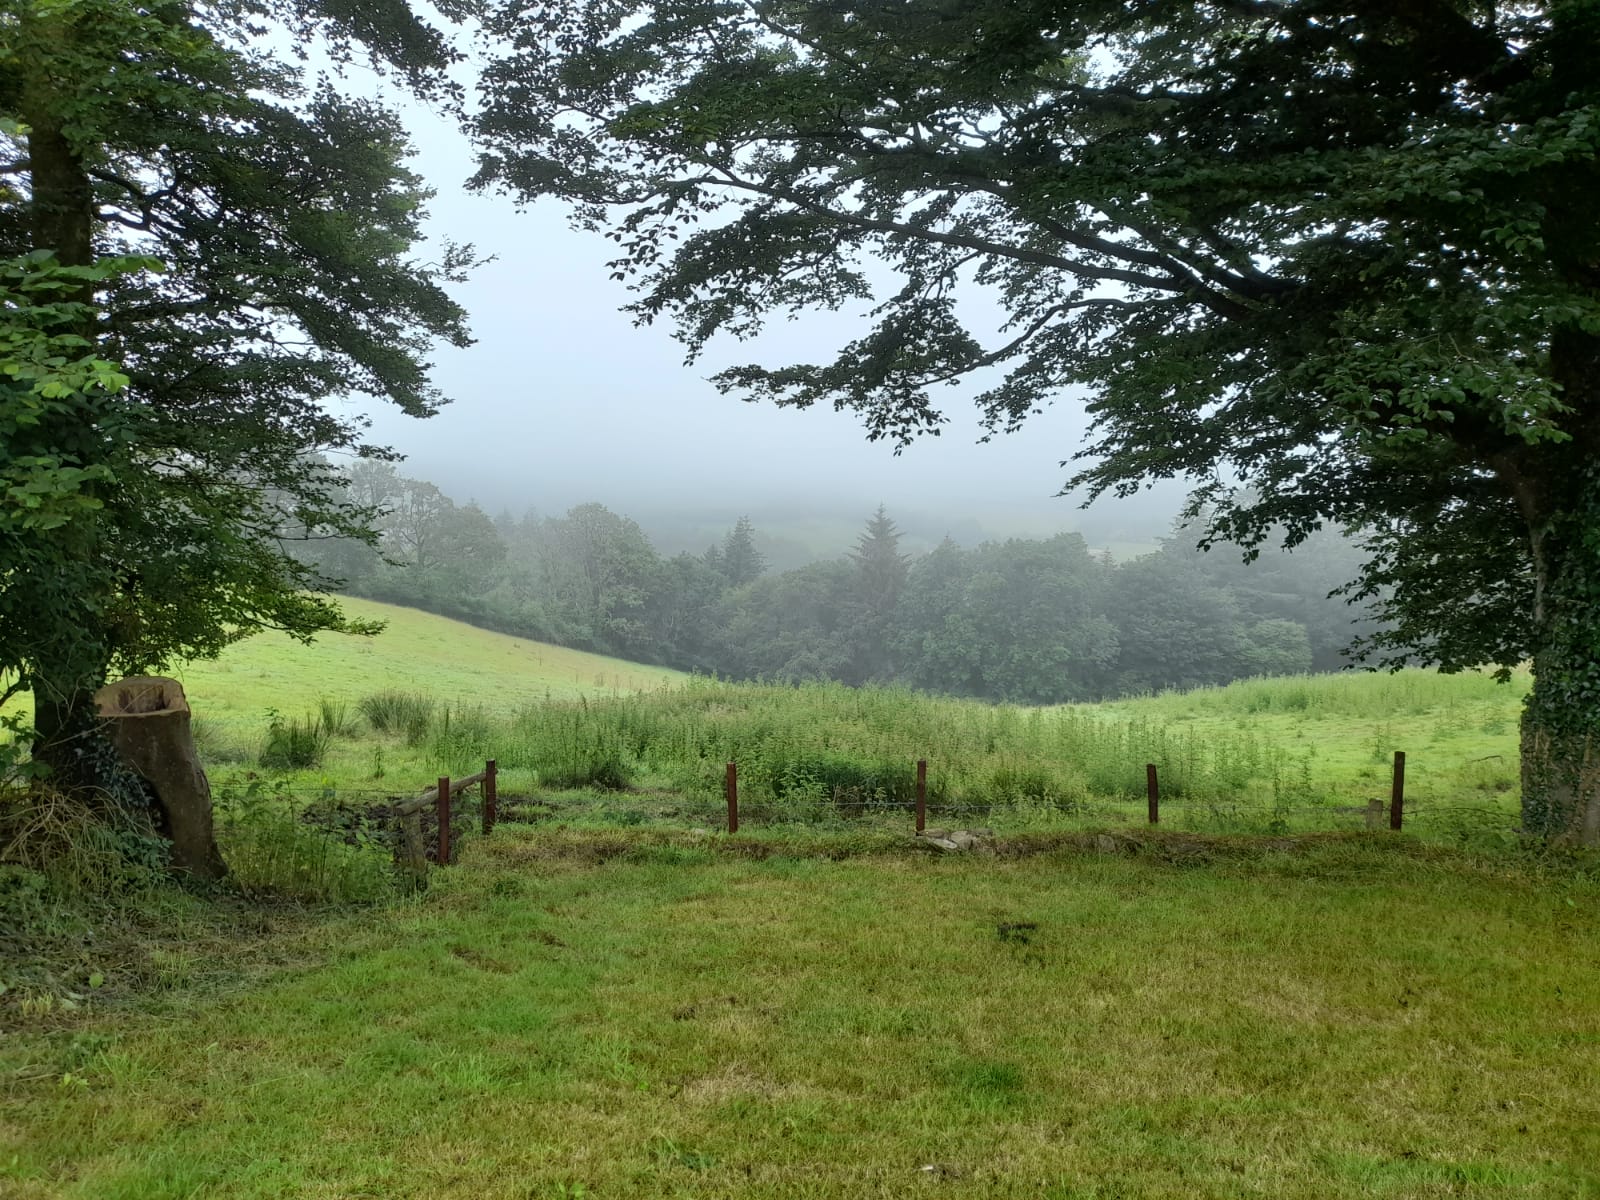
(236, 242)
(1332, 262)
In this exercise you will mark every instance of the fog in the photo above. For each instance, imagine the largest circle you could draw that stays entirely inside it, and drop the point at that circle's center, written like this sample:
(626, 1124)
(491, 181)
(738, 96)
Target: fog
(563, 400)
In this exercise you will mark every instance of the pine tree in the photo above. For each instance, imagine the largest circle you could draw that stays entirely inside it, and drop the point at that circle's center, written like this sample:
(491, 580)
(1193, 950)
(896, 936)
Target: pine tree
(880, 575)
(742, 563)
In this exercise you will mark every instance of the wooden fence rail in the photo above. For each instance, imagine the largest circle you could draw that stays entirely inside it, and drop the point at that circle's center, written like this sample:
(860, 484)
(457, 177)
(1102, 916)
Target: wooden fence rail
(412, 851)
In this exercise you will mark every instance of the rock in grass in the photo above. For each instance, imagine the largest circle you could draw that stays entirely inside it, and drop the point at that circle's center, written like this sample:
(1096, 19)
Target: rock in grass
(956, 840)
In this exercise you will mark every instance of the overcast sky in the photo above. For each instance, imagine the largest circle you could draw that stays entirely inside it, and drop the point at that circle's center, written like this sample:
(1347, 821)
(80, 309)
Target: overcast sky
(563, 400)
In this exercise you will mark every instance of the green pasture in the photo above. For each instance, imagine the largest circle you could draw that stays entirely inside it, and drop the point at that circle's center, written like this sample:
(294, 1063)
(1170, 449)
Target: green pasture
(1268, 755)
(1264, 755)
(633, 1014)
(453, 661)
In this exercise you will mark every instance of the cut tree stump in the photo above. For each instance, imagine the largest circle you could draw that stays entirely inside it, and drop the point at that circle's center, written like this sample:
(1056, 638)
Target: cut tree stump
(149, 719)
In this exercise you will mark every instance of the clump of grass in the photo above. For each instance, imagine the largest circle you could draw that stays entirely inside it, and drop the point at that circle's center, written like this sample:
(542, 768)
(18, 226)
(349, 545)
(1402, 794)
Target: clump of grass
(461, 738)
(293, 744)
(214, 744)
(403, 714)
(78, 850)
(337, 719)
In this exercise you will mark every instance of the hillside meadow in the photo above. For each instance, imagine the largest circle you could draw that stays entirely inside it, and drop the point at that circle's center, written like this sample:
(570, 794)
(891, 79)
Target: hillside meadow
(387, 715)
(607, 997)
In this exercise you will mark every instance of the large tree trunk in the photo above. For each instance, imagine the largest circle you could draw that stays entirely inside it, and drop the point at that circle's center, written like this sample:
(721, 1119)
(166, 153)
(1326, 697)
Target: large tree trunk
(67, 736)
(65, 672)
(1561, 721)
(1560, 780)
(149, 718)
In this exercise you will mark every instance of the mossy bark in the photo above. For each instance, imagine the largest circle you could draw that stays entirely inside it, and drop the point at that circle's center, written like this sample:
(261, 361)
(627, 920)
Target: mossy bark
(1561, 720)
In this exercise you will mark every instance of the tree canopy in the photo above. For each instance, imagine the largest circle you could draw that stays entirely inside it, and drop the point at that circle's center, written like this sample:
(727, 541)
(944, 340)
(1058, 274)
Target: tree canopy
(222, 243)
(1331, 261)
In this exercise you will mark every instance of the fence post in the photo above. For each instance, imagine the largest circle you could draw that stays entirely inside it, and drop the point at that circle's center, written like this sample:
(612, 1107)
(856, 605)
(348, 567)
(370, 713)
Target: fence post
(733, 798)
(922, 794)
(490, 796)
(442, 807)
(1397, 796)
(1152, 790)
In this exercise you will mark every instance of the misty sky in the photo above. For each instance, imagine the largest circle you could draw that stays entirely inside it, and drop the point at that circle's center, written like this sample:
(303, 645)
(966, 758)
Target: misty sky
(562, 400)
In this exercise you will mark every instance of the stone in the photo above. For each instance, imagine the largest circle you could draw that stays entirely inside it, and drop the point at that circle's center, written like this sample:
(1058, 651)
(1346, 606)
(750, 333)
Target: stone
(953, 841)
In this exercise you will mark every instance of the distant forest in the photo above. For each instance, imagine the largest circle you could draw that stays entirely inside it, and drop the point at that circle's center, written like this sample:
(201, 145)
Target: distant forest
(1026, 620)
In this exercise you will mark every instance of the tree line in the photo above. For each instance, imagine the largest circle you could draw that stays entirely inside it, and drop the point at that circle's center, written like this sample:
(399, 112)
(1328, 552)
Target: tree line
(1037, 620)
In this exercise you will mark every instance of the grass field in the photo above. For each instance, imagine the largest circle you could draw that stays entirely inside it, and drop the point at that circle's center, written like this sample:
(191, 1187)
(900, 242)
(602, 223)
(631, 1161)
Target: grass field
(613, 1001)
(626, 1014)
(455, 662)
(1279, 754)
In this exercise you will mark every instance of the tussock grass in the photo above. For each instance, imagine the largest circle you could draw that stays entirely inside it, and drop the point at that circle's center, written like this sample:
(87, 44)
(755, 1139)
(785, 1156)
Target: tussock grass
(403, 714)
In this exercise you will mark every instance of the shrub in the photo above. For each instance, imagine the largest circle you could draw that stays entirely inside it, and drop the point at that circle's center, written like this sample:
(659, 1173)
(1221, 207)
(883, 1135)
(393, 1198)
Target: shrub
(607, 772)
(1035, 788)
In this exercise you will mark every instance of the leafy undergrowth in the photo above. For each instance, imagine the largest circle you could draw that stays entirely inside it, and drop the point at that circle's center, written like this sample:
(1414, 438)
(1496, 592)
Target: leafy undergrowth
(642, 1013)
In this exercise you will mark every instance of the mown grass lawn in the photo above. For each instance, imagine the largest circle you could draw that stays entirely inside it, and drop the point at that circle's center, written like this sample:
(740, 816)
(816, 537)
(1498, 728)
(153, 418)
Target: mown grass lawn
(631, 1014)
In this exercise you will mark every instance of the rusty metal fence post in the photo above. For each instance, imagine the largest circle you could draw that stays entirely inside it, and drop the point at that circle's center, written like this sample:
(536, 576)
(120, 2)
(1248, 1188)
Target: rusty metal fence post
(442, 808)
(490, 796)
(1397, 794)
(733, 797)
(1152, 790)
(922, 794)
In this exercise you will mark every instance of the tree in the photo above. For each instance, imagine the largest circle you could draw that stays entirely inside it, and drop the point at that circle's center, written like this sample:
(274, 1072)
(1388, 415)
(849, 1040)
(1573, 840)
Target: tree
(601, 570)
(741, 562)
(414, 526)
(791, 627)
(935, 642)
(238, 243)
(1175, 629)
(880, 575)
(1036, 613)
(1342, 254)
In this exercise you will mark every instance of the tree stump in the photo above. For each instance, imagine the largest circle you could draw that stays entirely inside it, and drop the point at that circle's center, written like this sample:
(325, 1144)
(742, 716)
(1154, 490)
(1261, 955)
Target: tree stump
(149, 719)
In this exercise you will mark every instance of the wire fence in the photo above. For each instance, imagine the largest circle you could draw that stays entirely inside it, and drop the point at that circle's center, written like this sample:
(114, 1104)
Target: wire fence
(422, 829)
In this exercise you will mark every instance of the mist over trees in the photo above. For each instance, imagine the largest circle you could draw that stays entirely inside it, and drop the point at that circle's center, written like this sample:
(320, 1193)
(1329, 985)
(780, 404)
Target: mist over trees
(1031, 620)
